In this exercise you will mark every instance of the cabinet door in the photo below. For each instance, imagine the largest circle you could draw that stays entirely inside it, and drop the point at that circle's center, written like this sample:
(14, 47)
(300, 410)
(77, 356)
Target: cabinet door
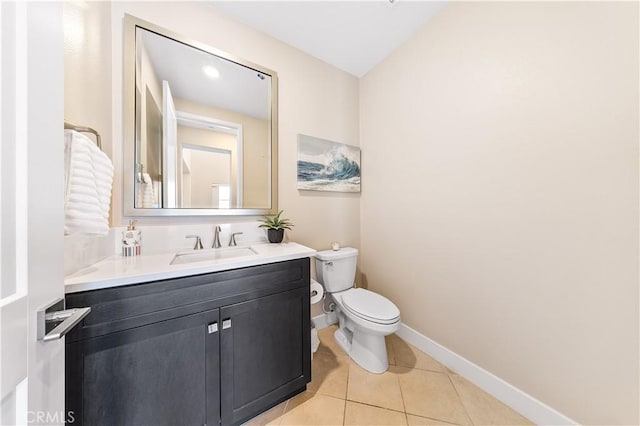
(165, 373)
(265, 353)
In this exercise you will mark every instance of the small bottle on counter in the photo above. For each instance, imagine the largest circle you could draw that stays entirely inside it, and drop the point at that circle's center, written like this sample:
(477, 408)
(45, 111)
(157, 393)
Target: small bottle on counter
(131, 239)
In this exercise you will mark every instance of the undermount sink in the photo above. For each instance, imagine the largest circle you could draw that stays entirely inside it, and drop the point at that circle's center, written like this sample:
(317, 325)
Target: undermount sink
(213, 254)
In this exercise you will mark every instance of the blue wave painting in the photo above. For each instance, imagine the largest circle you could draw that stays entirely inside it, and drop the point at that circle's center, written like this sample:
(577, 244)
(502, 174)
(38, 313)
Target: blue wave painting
(327, 166)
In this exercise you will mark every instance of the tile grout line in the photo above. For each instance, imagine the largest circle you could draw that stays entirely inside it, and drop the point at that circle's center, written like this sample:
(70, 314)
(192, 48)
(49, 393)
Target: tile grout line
(455, 390)
(437, 420)
(464, 407)
(395, 361)
(404, 406)
(414, 367)
(406, 414)
(375, 406)
(445, 372)
(346, 394)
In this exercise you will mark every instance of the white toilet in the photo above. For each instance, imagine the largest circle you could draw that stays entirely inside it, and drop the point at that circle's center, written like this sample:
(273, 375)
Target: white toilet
(364, 316)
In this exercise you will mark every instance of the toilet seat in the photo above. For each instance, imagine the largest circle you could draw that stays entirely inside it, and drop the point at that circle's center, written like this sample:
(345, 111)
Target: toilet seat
(370, 306)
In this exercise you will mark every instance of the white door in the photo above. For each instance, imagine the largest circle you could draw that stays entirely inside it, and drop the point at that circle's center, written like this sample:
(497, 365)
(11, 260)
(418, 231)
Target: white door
(170, 148)
(31, 209)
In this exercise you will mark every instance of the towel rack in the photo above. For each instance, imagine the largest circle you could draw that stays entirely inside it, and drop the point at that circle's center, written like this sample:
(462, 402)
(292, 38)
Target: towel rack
(140, 173)
(84, 129)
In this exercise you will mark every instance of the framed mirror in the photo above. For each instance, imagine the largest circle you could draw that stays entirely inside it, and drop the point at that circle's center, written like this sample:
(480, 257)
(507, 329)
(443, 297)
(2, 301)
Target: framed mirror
(200, 128)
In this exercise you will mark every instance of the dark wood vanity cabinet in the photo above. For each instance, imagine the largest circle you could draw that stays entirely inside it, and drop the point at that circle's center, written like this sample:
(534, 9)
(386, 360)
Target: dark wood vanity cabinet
(211, 349)
(158, 374)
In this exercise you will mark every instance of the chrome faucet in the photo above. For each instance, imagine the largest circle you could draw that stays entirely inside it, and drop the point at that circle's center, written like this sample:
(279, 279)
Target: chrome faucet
(216, 238)
(232, 241)
(198, 245)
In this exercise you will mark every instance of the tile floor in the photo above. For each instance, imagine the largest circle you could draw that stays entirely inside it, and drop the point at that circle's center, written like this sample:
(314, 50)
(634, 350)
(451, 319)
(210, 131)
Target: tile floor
(416, 390)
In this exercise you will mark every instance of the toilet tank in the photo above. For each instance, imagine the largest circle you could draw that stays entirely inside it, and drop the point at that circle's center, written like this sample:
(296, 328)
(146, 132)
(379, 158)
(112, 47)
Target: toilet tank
(336, 269)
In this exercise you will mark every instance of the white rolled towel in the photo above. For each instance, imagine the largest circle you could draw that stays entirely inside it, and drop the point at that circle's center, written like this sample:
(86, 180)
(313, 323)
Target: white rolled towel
(103, 169)
(146, 196)
(88, 184)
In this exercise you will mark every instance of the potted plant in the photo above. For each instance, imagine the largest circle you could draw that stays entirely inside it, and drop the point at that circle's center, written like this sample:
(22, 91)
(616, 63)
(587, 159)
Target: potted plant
(275, 227)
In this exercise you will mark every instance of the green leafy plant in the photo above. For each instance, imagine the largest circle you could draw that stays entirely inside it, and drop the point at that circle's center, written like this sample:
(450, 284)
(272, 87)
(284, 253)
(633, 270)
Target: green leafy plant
(276, 222)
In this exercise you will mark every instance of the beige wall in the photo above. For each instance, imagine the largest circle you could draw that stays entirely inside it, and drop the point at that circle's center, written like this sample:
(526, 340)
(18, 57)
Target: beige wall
(87, 100)
(87, 67)
(500, 195)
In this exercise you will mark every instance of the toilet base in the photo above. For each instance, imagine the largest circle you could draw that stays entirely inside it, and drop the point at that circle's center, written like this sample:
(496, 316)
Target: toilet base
(342, 340)
(369, 351)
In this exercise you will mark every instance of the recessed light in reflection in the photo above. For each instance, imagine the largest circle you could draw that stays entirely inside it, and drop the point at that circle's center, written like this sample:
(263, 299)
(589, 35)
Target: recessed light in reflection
(210, 71)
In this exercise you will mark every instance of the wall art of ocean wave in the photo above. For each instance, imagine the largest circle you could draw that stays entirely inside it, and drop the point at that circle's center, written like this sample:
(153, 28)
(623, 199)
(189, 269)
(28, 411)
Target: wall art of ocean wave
(339, 174)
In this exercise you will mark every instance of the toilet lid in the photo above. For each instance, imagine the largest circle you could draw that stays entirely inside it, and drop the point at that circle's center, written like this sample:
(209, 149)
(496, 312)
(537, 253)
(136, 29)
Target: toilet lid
(371, 306)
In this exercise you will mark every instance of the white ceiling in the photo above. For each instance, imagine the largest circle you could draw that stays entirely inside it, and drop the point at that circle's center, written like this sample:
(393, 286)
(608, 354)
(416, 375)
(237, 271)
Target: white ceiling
(351, 35)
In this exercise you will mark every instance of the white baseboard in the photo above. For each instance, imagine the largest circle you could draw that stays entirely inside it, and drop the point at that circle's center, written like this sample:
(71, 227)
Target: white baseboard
(523, 403)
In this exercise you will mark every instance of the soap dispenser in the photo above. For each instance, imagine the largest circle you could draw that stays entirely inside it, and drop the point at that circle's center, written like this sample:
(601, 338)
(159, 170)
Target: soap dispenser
(131, 239)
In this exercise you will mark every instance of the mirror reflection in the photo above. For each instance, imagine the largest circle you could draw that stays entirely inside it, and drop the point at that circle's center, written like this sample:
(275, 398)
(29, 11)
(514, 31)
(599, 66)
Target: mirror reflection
(203, 128)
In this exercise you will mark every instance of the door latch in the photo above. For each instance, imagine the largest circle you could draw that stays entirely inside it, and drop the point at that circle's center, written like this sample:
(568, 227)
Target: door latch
(54, 321)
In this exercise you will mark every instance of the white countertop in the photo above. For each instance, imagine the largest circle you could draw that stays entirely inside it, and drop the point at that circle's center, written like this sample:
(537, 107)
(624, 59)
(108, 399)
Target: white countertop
(118, 270)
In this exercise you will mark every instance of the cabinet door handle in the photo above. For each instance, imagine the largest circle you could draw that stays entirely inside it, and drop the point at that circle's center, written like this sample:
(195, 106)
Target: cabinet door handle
(226, 323)
(212, 328)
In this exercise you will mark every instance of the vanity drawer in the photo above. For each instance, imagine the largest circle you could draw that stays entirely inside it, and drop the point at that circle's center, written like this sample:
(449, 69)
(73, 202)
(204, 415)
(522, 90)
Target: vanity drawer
(120, 308)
